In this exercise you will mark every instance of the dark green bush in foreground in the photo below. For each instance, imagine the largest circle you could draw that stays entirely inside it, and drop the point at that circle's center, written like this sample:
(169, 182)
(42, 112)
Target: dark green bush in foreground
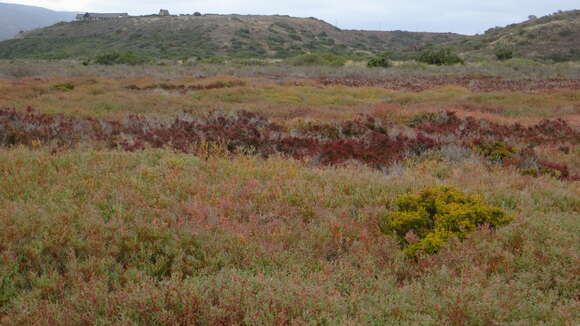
(426, 221)
(439, 56)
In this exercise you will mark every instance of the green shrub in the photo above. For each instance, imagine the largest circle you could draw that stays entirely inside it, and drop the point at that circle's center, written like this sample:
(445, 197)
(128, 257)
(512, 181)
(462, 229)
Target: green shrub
(504, 53)
(439, 56)
(117, 58)
(426, 221)
(213, 60)
(63, 87)
(494, 150)
(382, 61)
(428, 117)
(315, 59)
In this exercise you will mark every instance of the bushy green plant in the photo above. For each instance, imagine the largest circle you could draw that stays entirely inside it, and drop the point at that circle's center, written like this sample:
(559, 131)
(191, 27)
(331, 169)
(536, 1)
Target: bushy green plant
(382, 61)
(213, 60)
(117, 58)
(439, 56)
(504, 53)
(317, 59)
(494, 150)
(425, 221)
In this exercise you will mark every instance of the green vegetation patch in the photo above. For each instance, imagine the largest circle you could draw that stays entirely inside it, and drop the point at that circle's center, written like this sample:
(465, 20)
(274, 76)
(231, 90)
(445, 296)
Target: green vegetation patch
(117, 58)
(494, 150)
(66, 87)
(439, 56)
(382, 61)
(424, 222)
(315, 59)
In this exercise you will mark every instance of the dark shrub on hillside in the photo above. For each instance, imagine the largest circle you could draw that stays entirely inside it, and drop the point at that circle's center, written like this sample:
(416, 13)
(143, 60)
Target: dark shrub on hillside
(117, 58)
(504, 53)
(382, 61)
(315, 59)
(213, 60)
(439, 56)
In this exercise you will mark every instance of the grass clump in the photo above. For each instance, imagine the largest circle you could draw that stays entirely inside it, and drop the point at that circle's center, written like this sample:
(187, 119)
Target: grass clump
(424, 222)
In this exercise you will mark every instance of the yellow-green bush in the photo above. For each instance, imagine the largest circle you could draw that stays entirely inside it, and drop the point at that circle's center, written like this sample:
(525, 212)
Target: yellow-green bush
(494, 150)
(424, 222)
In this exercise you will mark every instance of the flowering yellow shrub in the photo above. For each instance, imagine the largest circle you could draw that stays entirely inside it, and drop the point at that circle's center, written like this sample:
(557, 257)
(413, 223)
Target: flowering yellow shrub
(425, 221)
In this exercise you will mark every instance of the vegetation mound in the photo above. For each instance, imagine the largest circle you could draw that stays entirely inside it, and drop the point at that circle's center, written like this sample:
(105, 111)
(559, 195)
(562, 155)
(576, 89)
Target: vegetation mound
(426, 221)
(203, 36)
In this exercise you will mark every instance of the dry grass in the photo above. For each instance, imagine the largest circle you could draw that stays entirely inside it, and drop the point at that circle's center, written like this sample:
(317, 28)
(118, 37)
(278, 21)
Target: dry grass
(281, 100)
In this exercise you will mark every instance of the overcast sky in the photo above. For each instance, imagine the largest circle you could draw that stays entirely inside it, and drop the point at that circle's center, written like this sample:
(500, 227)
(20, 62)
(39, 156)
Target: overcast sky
(459, 16)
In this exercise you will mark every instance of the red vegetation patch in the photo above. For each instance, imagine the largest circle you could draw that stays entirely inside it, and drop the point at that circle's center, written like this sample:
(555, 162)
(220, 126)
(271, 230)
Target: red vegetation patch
(363, 139)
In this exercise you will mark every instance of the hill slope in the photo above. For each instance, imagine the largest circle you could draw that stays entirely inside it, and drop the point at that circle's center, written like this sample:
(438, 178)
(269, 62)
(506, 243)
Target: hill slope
(208, 35)
(15, 18)
(555, 37)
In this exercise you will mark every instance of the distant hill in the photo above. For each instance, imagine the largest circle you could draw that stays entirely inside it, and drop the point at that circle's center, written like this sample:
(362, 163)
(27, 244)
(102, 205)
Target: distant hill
(209, 35)
(15, 18)
(555, 37)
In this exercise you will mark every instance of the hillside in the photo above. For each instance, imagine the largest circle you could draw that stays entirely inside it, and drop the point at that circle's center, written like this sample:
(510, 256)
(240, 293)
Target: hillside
(15, 18)
(555, 37)
(208, 35)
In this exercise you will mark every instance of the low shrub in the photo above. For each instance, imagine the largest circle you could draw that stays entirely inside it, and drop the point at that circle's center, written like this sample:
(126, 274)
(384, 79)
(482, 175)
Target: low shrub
(439, 56)
(63, 87)
(117, 58)
(421, 118)
(382, 61)
(316, 59)
(551, 169)
(426, 221)
(504, 53)
(213, 60)
(496, 151)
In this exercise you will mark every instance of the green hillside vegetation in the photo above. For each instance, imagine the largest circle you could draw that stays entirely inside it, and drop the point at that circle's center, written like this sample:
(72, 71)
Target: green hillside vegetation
(553, 37)
(209, 35)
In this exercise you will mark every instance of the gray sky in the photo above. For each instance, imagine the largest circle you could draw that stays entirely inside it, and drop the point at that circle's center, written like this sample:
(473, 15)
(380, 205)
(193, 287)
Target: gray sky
(459, 16)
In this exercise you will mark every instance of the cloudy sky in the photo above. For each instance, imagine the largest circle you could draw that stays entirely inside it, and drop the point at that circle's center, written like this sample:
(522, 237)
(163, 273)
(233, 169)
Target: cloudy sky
(460, 16)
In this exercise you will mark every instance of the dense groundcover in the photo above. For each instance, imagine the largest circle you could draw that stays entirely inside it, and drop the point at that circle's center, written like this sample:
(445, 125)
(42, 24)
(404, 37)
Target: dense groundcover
(159, 238)
(365, 139)
(300, 215)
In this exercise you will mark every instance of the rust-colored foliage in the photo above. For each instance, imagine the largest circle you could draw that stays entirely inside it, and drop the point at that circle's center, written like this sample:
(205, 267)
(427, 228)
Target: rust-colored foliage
(364, 138)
